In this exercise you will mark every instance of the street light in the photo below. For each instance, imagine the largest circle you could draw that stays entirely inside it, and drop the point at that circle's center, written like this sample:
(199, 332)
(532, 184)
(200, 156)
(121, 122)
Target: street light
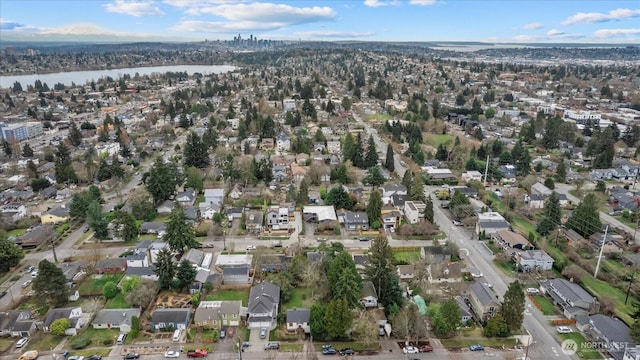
(224, 239)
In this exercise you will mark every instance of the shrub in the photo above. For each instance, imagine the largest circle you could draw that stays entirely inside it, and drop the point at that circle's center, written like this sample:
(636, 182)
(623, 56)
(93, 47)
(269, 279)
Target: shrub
(59, 326)
(80, 342)
(107, 342)
(109, 290)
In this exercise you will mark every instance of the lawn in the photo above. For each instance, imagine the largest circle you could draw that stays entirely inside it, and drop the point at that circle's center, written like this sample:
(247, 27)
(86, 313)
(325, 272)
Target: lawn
(16, 232)
(299, 298)
(584, 352)
(89, 352)
(436, 139)
(507, 267)
(117, 302)
(466, 342)
(44, 342)
(545, 304)
(601, 288)
(5, 343)
(291, 347)
(98, 336)
(408, 255)
(223, 295)
(379, 117)
(523, 225)
(93, 286)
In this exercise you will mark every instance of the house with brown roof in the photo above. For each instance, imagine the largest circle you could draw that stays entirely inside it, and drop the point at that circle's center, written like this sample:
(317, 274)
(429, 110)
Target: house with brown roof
(482, 301)
(444, 272)
(508, 240)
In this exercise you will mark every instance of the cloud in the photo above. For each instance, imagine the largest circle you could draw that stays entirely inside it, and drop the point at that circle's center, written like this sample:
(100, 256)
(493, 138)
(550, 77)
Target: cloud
(555, 32)
(608, 33)
(268, 13)
(533, 26)
(79, 29)
(10, 25)
(219, 27)
(134, 8)
(334, 34)
(617, 14)
(526, 38)
(379, 3)
(422, 2)
(199, 3)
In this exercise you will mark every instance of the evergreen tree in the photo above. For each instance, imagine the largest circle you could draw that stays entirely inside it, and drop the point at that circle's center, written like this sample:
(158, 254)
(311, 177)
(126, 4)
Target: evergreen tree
(125, 226)
(550, 139)
(374, 177)
(180, 234)
(339, 198)
(371, 159)
(194, 179)
(416, 190)
(195, 152)
(64, 170)
(389, 162)
(374, 207)
(552, 215)
(561, 172)
(97, 220)
(27, 151)
(10, 253)
(441, 152)
(349, 148)
(50, 286)
(585, 219)
(316, 321)
(428, 211)
(161, 180)
(303, 193)
(6, 147)
(407, 179)
(358, 159)
(164, 268)
(512, 309)
(345, 282)
(75, 136)
(380, 270)
(496, 326)
(78, 206)
(446, 319)
(185, 275)
(337, 319)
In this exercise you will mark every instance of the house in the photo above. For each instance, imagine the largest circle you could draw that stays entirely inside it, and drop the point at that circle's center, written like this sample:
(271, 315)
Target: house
(465, 312)
(509, 240)
(283, 142)
(298, 320)
(489, 223)
(471, 176)
(414, 211)
(236, 192)
(440, 174)
(214, 196)
(360, 260)
(187, 197)
(435, 254)
(153, 228)
(368, 296)
(147, 272)
(73, 270)
(535, 201)
(508, 173)
(278, 217)
(392, 189)
(110, 266)
(48, 193)
(398, 200)
(540, 189)
(35, 237)
(391, 218)
(406, 272)
(236, 275)
(354, 221)
(171, 318)
(444, 272)
(194, 256)
(631, 353)
(534, 260)
(482, 301)
(217, 314)
(57, 215)
(264, 299)
(233, 260)
(17, 323)
(572, 236)
(253, 221)
(74, 314)
(319, 214)
(610, 332)
(574, 300)
(166, 207)
(115, 319)
(13, 212)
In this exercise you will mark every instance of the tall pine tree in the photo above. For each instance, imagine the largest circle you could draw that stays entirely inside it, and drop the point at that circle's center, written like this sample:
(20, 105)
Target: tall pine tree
(389, 163)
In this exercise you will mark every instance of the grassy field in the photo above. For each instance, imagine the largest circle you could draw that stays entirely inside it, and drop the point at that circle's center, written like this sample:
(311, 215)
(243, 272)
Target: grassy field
(379, 117)
(92, 286)
(436, 139)
(117, 302)
(487, 342)
(230, 295)
(98, 336)
(408, 256)
(5, 344)
(545, 304)
(43, 342)
(291, 347)
(16, 232)
(583, 351)
(507, 267)
(601, 288)
(299, 298)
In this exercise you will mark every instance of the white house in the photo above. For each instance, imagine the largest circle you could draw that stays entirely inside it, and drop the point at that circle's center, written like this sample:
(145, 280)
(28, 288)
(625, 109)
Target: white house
(471, 175)
(414, 211)
(534, 260)
(13, 212)
(283, 142)
(214, 196)
(298, 320)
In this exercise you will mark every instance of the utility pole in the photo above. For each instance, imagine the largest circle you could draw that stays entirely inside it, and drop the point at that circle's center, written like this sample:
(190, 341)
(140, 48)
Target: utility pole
(604, 241)
(629, 288)
(53, 249)
(224, 239)
(486, 171)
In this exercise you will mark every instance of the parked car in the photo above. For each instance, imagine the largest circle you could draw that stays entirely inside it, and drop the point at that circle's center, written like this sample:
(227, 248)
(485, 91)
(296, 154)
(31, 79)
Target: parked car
(245, 345)
(34, 274)
(476, 347)
(93, 357)
(172, 354)
(328, 350)
(2, 294)
(457, 223)
(22, 342)
(347, 352)
(564, 330)
(76, 357)
(272, 346)
(131, 356)
(321, 239)
(30, 269)
(223, 333)
(26, 283)
(532, 291)
(251, 247)
(263, 333)
(410, 350)
(425, 348)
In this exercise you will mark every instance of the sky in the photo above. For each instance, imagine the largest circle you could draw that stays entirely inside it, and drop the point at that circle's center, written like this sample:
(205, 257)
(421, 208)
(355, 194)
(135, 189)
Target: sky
(504, 21)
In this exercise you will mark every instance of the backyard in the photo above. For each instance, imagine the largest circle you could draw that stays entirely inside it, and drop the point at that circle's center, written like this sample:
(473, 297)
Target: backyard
(230, 295)
(406, 255)
(546, 306)
(43, 341)
(436, 139)
(96, 337)
(93, 285)
(300, 298)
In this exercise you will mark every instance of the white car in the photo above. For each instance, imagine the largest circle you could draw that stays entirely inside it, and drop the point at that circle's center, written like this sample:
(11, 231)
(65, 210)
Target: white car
(564, 330)
(410, 350)
(477, 274)
(26, 283)
(22, 342)
(34, 274)
(457, 223)
(532, 291)
(251, 247)
(172, 354)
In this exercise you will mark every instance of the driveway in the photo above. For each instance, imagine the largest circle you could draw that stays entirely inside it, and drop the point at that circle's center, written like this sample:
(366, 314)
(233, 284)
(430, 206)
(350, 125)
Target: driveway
(257, 344)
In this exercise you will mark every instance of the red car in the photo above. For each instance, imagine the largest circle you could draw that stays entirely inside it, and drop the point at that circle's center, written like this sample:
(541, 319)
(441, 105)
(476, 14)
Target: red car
(425, 348)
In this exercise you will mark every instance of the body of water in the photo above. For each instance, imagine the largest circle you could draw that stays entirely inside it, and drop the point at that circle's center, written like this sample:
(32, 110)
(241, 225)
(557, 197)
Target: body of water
(83, 77)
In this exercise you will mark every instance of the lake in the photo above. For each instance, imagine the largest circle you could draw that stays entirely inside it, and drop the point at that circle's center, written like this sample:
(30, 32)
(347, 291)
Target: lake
(83, 77)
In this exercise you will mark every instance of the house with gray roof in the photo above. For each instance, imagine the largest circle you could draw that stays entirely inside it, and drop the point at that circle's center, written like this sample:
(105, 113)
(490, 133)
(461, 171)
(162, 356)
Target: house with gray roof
(534, 260)
(115, 319)
(463, 306)
(74, 314)
(194, 256)
(482, 301)
(236, 275)
(216, 314)
(298, 320)
(17, 323)
(354, 221)
(264, 299)
(368, 296)
(571, 297)
(171, 318)
(612, 332)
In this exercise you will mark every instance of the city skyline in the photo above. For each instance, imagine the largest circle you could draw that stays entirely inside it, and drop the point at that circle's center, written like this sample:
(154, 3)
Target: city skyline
(368, 20)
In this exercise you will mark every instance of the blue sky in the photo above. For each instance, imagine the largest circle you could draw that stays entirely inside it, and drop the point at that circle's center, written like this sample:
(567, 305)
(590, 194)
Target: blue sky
(385, 20)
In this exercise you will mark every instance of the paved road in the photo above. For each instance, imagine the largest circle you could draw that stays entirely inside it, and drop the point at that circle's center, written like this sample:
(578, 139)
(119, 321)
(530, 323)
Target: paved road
(604, 217)
(544, 345)
(381, 145)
